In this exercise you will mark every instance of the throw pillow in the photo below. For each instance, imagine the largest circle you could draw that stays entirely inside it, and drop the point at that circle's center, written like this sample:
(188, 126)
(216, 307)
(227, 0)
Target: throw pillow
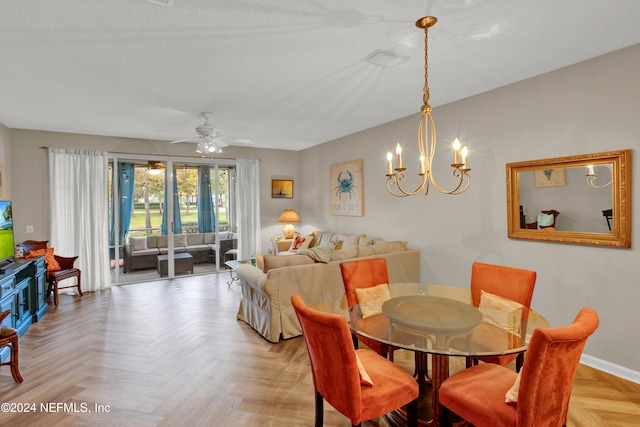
(338, 245)
(300, 242)
(512, 393)
(321, 253)
(365, 379)
(36, 253)
(49, 259)
(180, 240)
(138, 243)
(545, 220)
(366, 241)
(501, 312)
(259, 261)
(371, 299)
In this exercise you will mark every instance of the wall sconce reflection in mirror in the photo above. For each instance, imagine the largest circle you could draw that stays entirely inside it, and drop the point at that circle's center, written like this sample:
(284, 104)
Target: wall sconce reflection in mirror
(592, 178)
(595, 214)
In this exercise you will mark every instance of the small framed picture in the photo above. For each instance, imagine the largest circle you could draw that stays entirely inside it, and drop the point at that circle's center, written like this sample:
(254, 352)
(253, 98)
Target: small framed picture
(282, 189)
(549, 178)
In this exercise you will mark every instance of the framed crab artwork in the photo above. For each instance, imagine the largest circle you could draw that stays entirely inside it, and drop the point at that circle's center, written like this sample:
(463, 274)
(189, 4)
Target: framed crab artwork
(347, 188)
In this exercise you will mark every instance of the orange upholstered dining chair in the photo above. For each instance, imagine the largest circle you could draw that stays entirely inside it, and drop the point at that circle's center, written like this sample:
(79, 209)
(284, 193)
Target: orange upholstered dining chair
(359, 384)
(514, 284)
(490, 395)
(9, 338)
(361, 274)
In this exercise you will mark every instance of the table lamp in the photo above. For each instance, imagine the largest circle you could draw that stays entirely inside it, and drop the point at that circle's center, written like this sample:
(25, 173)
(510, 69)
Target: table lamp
(289, 216)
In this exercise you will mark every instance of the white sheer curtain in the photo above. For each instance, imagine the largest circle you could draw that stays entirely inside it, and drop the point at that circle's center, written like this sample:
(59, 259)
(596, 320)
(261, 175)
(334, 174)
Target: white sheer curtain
(248, 207)
(79, 217)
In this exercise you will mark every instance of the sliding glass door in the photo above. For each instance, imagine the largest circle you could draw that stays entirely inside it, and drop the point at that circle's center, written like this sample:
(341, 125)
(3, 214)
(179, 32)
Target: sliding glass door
(166, 216)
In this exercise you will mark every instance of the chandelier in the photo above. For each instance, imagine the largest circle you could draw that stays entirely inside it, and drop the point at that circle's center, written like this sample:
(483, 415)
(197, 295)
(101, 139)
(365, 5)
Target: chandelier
(592, 178)
(427, 144)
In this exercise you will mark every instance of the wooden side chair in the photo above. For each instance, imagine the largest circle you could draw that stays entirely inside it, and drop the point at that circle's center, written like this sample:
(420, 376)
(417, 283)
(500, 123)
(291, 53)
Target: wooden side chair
(514, 284)
(58, 267)
(359, 384)
(490, 395)
(9, 338)
(361, 274)
(67, 271)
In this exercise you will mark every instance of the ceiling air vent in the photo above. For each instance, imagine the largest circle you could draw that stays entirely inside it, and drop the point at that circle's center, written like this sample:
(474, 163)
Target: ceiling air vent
(168, 3)
(385, 58)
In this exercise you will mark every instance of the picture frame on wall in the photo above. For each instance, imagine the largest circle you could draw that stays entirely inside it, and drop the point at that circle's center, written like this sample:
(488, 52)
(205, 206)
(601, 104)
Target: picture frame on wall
(549, 178)
(347, 188)
(282, 189)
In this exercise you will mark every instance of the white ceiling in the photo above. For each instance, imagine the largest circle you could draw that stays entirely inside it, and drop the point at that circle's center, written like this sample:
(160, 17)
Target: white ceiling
(285, 74)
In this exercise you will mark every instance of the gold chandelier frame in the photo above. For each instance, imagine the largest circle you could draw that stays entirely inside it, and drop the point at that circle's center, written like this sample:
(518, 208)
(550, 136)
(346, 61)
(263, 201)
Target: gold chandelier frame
(427, 143)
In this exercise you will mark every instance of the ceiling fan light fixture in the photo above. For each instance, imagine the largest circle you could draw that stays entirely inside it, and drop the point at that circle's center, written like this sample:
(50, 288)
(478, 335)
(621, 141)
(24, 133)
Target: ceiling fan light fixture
(155, 168)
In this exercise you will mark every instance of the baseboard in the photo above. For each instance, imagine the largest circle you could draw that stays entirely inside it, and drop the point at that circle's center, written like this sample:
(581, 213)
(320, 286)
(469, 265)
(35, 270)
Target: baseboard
(611, 368)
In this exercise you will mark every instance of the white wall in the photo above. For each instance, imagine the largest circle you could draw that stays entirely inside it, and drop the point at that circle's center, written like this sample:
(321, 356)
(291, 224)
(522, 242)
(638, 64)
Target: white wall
(589, 107)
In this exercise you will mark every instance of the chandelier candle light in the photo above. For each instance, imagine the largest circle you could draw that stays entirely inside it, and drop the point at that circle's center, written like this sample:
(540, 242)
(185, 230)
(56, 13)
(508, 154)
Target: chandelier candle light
(427, 144)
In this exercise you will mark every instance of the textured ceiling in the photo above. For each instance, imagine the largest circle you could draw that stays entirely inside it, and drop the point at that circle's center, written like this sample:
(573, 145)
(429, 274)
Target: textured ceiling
(281, 73)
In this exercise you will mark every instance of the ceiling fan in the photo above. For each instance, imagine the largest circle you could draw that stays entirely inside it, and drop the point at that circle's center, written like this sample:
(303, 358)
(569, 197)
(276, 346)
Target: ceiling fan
(208, 138)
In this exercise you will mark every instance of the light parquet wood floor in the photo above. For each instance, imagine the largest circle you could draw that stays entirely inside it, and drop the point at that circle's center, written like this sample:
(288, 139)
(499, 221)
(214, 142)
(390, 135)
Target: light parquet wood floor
(171, 353)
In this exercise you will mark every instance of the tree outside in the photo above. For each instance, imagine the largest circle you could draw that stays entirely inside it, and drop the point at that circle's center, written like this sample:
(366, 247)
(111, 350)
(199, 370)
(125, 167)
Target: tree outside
(149, 200)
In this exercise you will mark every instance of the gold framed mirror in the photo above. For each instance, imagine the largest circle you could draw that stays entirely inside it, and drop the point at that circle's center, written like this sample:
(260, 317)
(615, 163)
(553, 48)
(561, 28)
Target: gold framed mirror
(583, 199)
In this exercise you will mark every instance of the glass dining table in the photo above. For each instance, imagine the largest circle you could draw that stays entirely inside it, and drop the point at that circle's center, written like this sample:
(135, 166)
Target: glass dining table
(444, 321)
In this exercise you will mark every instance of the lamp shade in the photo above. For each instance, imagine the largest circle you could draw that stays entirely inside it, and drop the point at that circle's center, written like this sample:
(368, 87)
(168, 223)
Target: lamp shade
(289, 216)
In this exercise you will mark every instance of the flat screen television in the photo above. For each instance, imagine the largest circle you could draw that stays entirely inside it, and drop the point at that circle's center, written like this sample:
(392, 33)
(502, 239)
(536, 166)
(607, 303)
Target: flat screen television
(6, 234)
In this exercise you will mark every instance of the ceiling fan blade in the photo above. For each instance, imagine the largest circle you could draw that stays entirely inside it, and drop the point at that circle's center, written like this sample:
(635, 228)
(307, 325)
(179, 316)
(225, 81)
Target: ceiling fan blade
(220, 142)
(192, 139)
(243, 140)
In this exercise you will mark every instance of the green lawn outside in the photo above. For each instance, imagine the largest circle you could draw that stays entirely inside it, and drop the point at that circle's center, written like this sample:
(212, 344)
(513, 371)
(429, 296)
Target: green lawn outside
(138, 221)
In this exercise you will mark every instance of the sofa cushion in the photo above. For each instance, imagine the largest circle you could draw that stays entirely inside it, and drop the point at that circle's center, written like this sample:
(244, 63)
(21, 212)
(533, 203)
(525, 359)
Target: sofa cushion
(349, 240)
(195, 239)
(388, 247)
(365, 250)
(179, 240)
(203, 247)
(209, 238)
(347, 253)
(138, 243)
(365, 241)
(152, 241)
(163, 241)
(151, 251)
(276, 261)
(176, 249)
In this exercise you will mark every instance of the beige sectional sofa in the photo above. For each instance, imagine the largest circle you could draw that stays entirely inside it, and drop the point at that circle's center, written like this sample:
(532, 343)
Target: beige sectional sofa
(266, 291)
(142, 252)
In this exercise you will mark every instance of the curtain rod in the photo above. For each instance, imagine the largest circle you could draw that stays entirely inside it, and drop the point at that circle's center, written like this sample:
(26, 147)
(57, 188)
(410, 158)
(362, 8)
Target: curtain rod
(161, 155)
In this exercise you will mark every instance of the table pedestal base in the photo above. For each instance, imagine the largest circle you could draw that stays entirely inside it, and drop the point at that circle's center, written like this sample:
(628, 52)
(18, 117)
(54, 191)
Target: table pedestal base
(429, 408)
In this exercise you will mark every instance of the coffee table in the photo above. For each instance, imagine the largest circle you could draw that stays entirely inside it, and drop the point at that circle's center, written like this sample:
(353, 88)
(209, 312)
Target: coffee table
(183, 263)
